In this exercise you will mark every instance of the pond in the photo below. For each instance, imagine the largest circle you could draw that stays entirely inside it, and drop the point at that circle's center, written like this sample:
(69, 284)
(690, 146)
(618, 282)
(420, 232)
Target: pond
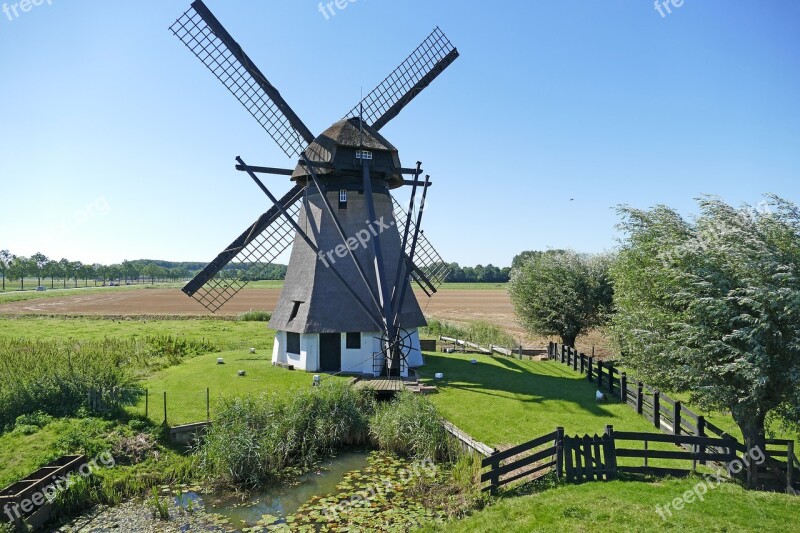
(283, 500)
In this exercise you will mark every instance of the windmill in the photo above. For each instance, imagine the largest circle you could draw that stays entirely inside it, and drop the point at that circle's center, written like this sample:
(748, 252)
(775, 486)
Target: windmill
(346, 304)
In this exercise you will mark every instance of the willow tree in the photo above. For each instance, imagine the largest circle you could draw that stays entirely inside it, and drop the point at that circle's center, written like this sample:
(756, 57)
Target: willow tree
(561, 293)
(711, 307)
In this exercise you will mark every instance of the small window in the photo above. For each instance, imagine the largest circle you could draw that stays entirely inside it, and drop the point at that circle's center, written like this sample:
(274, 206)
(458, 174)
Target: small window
(353, 341)
(295, 309)
(343, 199)
(293, 343)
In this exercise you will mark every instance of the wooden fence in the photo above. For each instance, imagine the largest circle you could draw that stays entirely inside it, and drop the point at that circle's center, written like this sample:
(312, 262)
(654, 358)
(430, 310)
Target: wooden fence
(673, 418)
(528, 460)
(578, 459)
(517, 351)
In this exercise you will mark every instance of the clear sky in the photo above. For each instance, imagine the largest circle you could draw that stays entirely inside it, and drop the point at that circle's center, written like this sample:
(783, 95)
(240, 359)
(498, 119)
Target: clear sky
(116, 143)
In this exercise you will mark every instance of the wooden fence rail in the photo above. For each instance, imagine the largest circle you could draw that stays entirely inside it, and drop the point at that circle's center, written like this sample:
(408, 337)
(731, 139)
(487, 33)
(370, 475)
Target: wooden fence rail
(673, 418)
(523, 461)
(578, 459)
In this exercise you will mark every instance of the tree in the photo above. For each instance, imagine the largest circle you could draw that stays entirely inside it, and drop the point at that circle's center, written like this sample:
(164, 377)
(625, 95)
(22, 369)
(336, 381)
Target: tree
(99, 270)
(561, 293)
(712, 307)
(65, 270)
(114, 272)
(75, 270)
(86, 272)
(5, 263)
(52, 270)
(38, 262)
(149, 270)
(19, 268)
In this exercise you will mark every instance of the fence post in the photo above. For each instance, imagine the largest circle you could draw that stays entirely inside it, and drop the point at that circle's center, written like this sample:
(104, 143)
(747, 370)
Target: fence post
(550, 350)
(520, 352)
(563, 353)
(559, 452)
(639, 398)
(676, 418)
(575, 361)
(165, 408)
(494, 477)
(701, 432)
(583, 362)
(790, 467)
(623, 387)
(611, 454)
(208, 404)
(611, 378)
(600, 375)
(657, 409)
(146, 402)
(589, 375)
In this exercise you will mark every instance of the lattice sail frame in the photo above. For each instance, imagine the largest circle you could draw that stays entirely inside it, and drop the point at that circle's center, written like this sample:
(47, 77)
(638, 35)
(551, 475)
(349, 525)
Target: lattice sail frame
(198, 37)
(261, 251)
(425, 255)
(398, 85)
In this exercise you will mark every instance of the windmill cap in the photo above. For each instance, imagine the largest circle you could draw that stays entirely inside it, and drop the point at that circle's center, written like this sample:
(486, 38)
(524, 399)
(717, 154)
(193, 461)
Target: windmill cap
(335, 149)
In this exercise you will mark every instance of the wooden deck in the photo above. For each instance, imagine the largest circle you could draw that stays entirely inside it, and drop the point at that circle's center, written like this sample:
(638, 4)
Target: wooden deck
(385, 385)
(382, 384)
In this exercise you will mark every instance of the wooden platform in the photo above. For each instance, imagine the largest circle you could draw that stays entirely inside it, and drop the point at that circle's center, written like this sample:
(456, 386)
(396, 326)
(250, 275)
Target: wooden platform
(385, 385)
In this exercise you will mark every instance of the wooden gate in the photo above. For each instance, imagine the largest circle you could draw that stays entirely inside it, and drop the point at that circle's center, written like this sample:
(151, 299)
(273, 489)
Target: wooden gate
(589, 458)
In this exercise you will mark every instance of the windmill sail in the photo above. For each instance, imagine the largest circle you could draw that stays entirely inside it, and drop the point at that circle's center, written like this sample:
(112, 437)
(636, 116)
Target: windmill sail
(249, 256)
(428, 268)
(405, 82)
(203, 34)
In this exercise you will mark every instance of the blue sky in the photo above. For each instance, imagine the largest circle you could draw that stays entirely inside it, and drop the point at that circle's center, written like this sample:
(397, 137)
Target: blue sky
(116, 143)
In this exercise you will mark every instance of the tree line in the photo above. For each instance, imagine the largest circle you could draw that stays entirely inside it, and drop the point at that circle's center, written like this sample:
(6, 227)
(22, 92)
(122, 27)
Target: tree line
(467, 274)
(39, 266)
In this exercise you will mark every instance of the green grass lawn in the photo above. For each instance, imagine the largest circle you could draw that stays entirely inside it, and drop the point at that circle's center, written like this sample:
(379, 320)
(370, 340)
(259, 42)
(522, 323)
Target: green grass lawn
(227, 334)
(22, 454)
(186, 383)
(631, 506)
(501, 400)
(16, 295)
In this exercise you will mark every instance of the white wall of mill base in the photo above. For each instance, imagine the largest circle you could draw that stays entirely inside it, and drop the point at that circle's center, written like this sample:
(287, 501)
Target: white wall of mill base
(355, 361)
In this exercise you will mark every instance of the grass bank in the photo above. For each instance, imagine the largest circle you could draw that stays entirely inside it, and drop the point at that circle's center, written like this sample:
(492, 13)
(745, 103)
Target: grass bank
(631, 506)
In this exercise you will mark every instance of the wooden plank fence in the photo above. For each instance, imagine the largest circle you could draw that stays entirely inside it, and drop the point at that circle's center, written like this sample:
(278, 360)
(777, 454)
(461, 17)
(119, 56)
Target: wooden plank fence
(578, 459)
(673, 418)
(523, 461)
(590, 458)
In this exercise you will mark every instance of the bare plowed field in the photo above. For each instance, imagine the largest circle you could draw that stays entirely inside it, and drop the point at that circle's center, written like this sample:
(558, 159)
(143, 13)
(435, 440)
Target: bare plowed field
(452, 305)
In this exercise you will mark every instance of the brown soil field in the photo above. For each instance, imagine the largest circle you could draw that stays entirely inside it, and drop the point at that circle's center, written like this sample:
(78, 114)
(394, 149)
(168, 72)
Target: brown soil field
(456, 306)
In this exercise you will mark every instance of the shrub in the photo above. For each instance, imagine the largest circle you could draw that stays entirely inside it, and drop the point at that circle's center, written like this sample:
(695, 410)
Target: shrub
(254, 316)
(478, 331)
(410, 426)
(56, 376)
(256, 440)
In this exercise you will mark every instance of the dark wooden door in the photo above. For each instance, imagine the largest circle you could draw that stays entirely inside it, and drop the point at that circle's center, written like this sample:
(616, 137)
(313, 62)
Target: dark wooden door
(330, 352)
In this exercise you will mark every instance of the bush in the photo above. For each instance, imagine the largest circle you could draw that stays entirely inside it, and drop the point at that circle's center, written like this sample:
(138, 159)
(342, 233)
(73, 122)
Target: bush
(254, 316)
(410, 426)
(257, 440)
(89, 436)
(56, 376)
(479, 332)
